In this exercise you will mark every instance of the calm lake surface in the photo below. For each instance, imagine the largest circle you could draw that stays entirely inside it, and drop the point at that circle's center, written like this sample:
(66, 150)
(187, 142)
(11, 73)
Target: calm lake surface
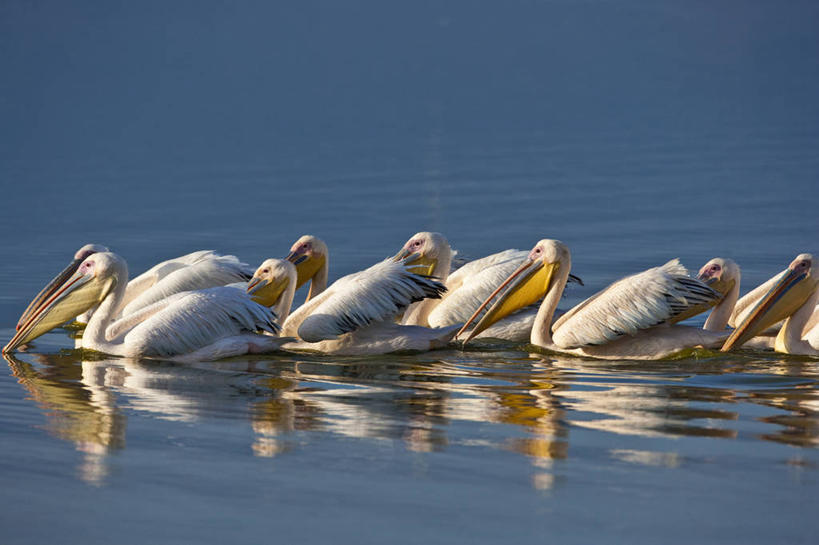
(633, 131)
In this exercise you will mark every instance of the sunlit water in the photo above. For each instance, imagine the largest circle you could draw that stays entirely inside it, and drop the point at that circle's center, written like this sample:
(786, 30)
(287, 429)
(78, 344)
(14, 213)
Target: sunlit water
(633, 131)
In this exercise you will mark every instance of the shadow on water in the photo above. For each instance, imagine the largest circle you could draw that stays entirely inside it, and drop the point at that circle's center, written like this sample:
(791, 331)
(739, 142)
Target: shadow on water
(502, 398)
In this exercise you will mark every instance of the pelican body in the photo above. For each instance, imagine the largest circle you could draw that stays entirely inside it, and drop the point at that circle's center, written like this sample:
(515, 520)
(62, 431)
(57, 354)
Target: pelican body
(190, 326)
(197, 270)
(634, 318)
(467, 287)
(355, 315)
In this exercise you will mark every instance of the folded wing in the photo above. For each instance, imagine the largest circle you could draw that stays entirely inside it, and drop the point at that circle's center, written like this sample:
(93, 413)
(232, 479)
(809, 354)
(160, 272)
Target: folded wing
(372, 295)
(660, 295)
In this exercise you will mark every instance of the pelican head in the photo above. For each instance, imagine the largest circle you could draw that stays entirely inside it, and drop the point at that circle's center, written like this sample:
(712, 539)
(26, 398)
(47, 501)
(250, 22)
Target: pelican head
(79, 257)
(271, 280)
(95, 277)
(309, 255)
(790, 291)
(721, 274)
(425, 253)
(535, 277)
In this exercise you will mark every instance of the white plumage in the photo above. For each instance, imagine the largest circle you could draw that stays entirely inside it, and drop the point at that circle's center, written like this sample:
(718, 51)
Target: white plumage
(195, 325)
(210, 270)
(474, 268)
(631, 319)
(355, 315)
(470, 285)
(653, 297)
(194, 271)
(359, 299)
(189, 321)
(467, 287)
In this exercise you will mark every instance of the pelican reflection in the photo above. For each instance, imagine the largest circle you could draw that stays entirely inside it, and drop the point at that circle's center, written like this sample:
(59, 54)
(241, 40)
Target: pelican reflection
(89, 419)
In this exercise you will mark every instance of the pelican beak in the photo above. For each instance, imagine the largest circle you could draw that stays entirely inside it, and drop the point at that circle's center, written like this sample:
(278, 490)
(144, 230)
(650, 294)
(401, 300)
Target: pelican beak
(529, 283)
(717, 283)
(416, 263)
(71, 298)
(267, 292)
(47, 291)
(403, 254)
(295, 257)
(789, 293)
(307, 265)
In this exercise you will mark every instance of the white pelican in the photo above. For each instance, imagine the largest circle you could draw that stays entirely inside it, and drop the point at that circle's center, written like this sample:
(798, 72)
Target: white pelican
(791, 295)
(311, 257)
(355, 315)
(190, 326)
(467, 287)
(274, 285)
(722, 275)
(631, 319)
(197, 270)
(766, 338)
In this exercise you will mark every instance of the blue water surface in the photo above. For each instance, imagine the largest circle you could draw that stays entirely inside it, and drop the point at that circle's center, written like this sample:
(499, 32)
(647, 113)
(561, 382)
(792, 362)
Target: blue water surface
(634, 131)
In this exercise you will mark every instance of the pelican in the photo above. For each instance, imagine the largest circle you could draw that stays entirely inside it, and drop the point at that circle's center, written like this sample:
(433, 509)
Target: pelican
(355, 315)
(634, 318)
(312, 260)
(722, 275)
(197, 270)
(467, 287)
(766, 338)
(274, 285)
(791, 295)
(190, 326)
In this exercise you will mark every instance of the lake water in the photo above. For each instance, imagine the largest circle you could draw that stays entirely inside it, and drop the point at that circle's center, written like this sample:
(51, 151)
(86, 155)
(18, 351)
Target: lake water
(633, 131)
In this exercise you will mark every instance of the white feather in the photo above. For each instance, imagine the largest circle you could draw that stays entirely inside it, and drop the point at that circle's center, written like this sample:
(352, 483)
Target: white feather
(459, 304)
(207, 272)
(637, 302)
(195, 320)
(373, 295)
(458, 277)
(146, 280)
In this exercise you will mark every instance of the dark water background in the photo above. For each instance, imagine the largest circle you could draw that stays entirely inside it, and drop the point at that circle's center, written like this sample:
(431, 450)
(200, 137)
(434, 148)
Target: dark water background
(633, 131)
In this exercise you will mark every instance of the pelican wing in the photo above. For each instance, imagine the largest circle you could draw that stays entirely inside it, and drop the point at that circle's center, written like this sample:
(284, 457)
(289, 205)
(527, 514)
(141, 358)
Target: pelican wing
(372, 295)
(159, 271)
(190, 321)
(457, 278)
(125, 324)
(458, 305)
(663, 294)
(210, 271)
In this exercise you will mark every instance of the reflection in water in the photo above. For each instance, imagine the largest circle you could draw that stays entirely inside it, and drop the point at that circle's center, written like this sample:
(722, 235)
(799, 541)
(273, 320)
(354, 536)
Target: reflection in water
(86, 417)
(647, 457)
(420, 402)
